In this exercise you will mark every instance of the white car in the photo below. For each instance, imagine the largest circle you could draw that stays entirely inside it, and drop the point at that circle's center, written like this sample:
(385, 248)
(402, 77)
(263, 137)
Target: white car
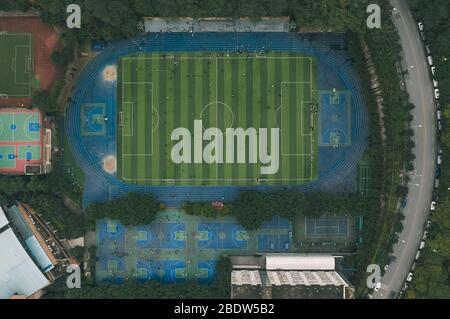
(439, 159)
(433, 70)
(422, 245)
(409, 278)
(425, 235)
(439, 117)
(439, 126)
(418, 255)
(377, 286)
(433, 206)
(427, 48)
(420, 25)
(435, 83)
(430, 60)
(437, 94)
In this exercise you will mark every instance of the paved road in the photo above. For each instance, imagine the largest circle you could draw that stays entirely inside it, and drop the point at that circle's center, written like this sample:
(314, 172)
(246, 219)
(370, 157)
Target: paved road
(420, 89)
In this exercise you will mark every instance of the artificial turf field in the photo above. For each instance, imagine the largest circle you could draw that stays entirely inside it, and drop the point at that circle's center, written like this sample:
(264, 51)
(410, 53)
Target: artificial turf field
(16, 64)
(160, 92)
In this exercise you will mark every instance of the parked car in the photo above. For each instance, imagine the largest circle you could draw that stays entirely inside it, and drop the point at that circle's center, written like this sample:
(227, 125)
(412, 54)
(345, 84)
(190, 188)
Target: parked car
(438, 105)
(427, 48)
(439, 159)
(438, 171)
(413, 266)
(404, 202)
(439, 125)
(425, 235)
(422, 36)
(430, 60)
(435, 83)
(417, 255)
(420, 25)
(410, 276)
(428, 223)
(422, 245)
(439, 115)
(433, 70)
(436, 183)
(433, 206)
(377, 286)
(437, 94)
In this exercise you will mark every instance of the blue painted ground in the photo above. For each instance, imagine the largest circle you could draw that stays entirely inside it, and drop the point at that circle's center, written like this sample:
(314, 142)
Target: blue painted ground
(336, 167)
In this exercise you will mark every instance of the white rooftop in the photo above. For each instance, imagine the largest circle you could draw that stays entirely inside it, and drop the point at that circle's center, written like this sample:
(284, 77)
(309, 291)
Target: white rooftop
(277, 262)
(3, 219)
(18, 273)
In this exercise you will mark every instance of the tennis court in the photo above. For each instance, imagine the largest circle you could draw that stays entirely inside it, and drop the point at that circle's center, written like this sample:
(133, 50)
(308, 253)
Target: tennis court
(20, 139)
(364, 177)
(326, 226)
(16, 64)
(274, 242)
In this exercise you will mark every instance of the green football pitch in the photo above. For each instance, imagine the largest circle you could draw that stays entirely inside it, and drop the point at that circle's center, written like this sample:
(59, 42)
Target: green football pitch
(158, 93)
(16, 65)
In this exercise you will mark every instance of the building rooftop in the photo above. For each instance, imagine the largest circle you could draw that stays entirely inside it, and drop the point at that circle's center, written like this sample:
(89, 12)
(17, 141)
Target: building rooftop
(18, 272)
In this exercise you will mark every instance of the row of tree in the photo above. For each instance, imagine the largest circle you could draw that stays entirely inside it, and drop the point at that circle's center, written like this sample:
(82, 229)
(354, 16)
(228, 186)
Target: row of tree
(432, 275)
(133, 209)
(253, 208)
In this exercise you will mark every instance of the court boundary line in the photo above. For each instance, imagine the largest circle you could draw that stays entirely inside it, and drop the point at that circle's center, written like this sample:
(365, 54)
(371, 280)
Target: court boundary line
(337, 219)
(215, 58)
(30, 57)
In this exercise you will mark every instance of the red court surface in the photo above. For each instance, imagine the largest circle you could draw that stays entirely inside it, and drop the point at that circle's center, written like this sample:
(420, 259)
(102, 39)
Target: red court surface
(45, 41)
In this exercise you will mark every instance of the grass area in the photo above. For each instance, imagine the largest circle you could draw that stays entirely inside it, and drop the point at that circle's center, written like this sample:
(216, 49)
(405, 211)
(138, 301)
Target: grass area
(16, 64)
(277, 90)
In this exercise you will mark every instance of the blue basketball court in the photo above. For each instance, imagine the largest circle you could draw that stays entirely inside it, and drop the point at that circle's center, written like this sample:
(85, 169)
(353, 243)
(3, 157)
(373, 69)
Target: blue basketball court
(220, 235)
(335, 118)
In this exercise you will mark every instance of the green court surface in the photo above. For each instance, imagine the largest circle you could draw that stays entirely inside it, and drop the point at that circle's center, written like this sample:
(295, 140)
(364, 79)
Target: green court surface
(158, 93)
(29, 152)
(141, 235)
(112, 265)
(364, 177)
(16, 64)
(111, 227)
(6, 159)
(326, 235)
(19, 126)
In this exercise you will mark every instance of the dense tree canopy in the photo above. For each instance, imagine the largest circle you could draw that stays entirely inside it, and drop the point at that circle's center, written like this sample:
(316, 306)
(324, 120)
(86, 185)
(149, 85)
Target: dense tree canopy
(432, 275)
(133, 209)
